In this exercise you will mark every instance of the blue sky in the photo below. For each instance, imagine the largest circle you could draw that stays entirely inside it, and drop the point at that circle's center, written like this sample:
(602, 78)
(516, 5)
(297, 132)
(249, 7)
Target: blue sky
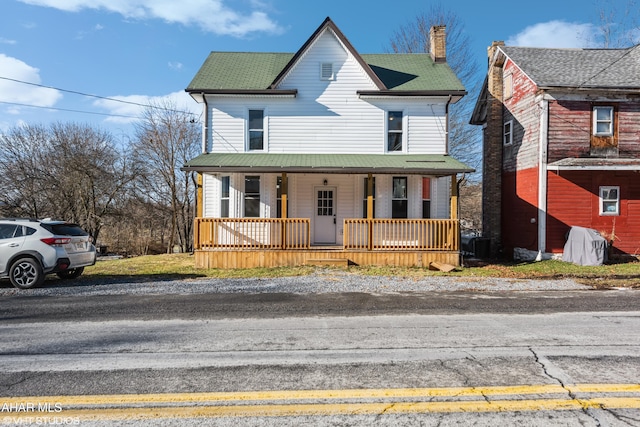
(142, 50)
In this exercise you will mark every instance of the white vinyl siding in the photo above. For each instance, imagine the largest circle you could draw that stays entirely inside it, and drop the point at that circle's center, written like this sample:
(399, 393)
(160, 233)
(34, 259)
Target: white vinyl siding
(328, 116)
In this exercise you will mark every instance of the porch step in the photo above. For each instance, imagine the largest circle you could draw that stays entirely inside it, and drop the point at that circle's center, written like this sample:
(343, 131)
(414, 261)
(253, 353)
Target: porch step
(323, 262)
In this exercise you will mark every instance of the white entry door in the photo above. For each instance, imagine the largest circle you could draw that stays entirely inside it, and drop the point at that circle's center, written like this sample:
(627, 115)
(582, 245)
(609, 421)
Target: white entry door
(325, 216)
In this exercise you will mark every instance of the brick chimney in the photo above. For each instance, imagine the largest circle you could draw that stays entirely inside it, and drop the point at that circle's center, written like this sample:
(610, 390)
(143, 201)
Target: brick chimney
(438, 43)
(492, 154)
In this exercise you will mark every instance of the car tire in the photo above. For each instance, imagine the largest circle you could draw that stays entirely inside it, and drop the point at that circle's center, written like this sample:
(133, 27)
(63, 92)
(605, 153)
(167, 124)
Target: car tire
(71, 273)
(26, 273)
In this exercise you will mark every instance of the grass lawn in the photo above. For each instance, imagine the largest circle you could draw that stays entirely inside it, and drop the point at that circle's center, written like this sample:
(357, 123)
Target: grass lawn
(182, 266)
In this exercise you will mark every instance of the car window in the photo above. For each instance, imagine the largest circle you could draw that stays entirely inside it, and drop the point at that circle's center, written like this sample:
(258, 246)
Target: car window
(65, 229)
(7, 231)
(29, 231)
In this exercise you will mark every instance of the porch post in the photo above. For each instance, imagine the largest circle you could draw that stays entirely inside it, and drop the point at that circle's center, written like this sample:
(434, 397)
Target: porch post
(370, 210)
(284, 191)
(454, 197)
(283, 208)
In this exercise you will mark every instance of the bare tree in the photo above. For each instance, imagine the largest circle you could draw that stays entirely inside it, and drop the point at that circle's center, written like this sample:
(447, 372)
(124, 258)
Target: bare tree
(464, 140)
(166, 139)
(66, 171)
(619, 25)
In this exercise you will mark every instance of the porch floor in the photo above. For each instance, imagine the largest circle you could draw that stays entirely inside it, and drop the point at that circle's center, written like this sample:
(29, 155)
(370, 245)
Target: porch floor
(253, 258)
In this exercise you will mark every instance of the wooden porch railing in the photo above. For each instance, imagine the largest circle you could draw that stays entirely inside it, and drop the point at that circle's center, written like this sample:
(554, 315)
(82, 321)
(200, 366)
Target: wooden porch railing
(399, 234)
(252, 233)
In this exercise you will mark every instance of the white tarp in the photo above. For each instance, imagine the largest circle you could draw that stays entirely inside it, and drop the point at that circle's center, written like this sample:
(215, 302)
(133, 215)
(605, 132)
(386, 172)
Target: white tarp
(585, 247)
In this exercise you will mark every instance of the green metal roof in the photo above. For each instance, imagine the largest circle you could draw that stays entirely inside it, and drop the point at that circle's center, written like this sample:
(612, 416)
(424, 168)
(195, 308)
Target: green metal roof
(430, 164)
(256, 71)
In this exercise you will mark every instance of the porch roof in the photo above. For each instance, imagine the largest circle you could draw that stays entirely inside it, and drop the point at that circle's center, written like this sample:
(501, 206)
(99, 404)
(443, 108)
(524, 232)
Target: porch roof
(429, 164)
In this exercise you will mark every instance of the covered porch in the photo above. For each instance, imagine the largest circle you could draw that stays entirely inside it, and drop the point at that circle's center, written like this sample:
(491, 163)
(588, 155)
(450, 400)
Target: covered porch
(329, 229)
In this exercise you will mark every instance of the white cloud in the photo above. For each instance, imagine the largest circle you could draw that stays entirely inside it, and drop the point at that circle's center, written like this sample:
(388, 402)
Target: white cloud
(554, 34)
(175, 65)
(20, 93)
(7, 41)
(133, 106)
(211, 15)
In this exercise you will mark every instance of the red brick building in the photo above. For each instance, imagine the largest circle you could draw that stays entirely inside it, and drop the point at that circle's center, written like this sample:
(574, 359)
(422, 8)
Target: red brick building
(561, 143)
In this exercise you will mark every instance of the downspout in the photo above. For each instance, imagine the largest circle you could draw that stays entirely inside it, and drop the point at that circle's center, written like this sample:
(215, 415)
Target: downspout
(542, 178)
(205, 125)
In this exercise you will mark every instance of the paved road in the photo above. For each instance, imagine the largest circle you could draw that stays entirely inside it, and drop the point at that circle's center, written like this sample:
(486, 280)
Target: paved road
(432, 358)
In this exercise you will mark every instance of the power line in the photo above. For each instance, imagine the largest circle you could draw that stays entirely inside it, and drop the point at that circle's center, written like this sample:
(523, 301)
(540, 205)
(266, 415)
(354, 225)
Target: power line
(95, 96)
(68, 110)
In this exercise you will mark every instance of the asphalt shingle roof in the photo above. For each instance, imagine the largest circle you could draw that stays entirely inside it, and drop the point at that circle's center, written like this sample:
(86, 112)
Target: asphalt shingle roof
(257, 70)
(586, 68)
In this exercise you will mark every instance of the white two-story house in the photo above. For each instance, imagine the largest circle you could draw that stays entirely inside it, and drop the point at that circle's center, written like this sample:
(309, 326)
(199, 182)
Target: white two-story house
(326, 154)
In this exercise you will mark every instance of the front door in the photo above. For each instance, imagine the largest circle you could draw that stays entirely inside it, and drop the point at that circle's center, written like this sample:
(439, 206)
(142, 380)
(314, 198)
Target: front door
(325, 216)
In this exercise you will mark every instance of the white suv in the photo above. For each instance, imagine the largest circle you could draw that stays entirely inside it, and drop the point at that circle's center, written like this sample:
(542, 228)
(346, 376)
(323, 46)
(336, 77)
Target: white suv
(31, 249)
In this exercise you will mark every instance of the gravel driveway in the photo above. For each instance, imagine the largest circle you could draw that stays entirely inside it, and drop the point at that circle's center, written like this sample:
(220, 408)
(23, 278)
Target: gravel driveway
(323, 281)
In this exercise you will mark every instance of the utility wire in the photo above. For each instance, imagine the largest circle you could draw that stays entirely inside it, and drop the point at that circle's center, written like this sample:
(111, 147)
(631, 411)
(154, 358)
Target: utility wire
(95, 96)
(65, 109)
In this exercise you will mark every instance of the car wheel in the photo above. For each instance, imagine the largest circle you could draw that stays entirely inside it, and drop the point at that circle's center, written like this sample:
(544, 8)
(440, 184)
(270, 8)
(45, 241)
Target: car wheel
(26, 273)
(71, 273)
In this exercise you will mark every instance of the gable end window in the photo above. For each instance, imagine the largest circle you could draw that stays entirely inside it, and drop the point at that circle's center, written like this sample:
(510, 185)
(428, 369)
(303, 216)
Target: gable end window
(610, 200)
(256, 130)
(603, 121)
(507, 91)
(507, 135)
(326, 71)
(394, 131)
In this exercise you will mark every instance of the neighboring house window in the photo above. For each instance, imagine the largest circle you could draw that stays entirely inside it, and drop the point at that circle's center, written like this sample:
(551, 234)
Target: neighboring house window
(426, 197)
(603, 121)
(326, 71)
(364, 201)
(609, 200)
(256, 129)
(252, 196)
(507, 91)
(399, 205)
(507, 136)
(394, 131)
(224, 197)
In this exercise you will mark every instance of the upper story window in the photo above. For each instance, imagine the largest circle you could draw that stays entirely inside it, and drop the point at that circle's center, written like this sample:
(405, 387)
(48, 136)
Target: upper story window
(394, 131)
(610, 200)
(252, 197)
(603, 121)
(399, 202)
(507, 134)
(256, 130)
(326, 71)
(507, 90)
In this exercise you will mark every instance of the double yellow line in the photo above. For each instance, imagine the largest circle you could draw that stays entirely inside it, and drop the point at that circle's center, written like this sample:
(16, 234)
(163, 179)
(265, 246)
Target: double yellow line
(328, 402)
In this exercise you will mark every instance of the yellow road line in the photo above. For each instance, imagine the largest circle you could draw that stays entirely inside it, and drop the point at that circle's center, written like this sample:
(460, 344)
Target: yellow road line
(342, 409)
(323, 394)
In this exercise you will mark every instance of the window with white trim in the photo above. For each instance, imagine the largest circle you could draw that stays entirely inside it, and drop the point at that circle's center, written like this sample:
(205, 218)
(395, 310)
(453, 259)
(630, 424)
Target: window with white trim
(252, 197)
(610, 200)
(399, 202)
(394, 131)
(256, 130)
(426, 197)
(326, 71)
(507, 134)
(602, 121)
(224, 197)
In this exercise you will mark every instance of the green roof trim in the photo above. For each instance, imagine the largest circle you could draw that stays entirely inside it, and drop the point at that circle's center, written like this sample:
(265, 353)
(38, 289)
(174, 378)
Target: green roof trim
(228, 71)
(429, 164)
